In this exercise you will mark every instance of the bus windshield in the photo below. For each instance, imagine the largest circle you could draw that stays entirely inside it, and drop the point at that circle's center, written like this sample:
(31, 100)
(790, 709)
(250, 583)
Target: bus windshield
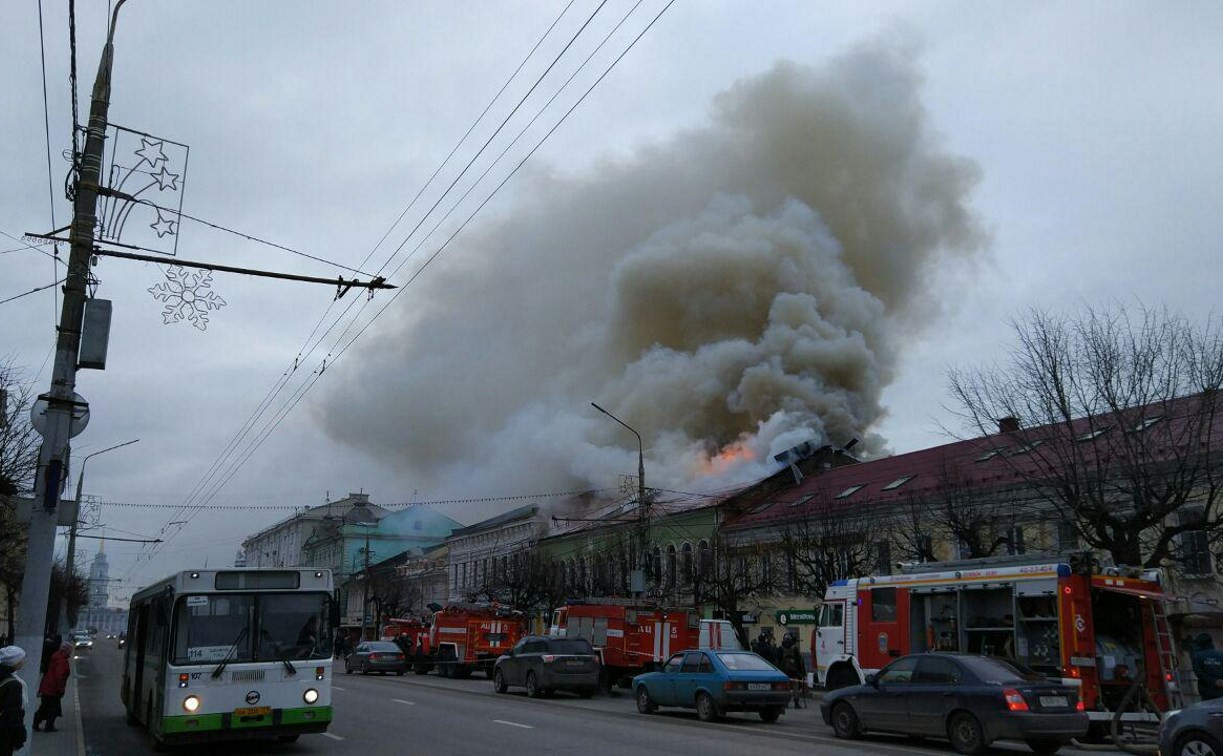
(245, 627)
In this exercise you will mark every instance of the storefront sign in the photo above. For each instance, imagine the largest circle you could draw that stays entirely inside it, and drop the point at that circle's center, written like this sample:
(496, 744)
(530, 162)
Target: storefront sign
(787, 617)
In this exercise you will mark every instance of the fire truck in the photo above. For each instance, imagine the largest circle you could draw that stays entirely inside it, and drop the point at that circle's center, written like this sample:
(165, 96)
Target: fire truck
(631, 638)
(1097, 629)
(404, 630)
(466, 637)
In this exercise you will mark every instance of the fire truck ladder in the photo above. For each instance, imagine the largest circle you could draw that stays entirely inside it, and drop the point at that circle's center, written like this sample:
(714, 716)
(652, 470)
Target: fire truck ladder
(1168, 668)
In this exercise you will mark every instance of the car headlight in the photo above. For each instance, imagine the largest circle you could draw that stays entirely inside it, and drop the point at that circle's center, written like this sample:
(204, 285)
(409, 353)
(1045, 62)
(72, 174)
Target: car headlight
(191, 704)
(310, 696)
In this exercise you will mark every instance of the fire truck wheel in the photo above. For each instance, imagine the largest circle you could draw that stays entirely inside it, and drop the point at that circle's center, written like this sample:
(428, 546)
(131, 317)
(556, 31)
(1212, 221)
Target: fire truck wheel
(499, 682)
(533, 689)
(845, 722)
(1044, 746)
(706, 709)
(1197, 744)
(645, 704)
(966, 734)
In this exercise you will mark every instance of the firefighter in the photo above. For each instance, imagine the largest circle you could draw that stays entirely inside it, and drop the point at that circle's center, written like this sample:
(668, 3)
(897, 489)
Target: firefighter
(1208, 666)
(792, 665)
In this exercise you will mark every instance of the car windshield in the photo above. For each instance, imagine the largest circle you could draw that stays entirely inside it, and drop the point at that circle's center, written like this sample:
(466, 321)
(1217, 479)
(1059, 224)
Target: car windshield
(244, 627)
(745, 662)
(380, 646)
(998, 671)
(579, 646)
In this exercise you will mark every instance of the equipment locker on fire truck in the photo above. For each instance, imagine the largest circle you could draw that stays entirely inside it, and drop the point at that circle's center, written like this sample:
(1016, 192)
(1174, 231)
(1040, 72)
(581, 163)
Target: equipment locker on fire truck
(1095, 630)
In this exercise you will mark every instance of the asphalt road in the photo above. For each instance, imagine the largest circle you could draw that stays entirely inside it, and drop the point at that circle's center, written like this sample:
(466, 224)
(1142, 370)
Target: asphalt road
(395, 715)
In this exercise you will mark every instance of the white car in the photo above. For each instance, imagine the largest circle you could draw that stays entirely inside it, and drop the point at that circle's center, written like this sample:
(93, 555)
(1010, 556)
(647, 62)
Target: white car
(82, 641)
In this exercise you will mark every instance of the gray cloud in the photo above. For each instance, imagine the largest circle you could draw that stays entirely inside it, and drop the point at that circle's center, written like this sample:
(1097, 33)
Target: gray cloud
(729, 291)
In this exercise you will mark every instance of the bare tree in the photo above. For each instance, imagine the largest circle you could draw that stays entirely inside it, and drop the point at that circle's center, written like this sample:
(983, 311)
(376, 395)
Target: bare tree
(733, 576)
(825, 543)
(1123, 426)
(19, 442)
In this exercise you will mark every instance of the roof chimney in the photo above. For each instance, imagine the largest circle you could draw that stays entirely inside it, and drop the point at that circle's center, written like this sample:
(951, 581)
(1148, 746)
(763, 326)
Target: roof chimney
(1008, 424)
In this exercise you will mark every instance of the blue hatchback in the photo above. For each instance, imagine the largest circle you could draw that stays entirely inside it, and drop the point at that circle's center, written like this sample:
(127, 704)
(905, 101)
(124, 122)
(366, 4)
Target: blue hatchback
(715, 682)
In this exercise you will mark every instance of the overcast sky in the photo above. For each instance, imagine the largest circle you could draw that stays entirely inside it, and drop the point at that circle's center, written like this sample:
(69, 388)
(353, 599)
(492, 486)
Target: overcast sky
(899, 178)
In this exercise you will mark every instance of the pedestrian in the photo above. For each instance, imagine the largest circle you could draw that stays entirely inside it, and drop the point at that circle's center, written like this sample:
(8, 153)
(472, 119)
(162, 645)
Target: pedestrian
(51, 689)
(1208, 666)
(12, 701)
(792, 665)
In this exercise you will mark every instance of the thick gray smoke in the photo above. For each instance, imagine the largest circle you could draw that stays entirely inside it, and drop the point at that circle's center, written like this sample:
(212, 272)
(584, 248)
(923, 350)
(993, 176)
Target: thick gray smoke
(731, 292)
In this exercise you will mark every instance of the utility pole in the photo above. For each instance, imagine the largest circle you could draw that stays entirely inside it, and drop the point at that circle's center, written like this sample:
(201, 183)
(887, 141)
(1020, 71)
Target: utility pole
(70, 562)
(61, 399)
(643, 516)
(365, 586)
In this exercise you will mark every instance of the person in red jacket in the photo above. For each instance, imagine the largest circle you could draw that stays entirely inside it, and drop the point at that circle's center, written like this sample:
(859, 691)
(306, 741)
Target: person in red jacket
(51, 689)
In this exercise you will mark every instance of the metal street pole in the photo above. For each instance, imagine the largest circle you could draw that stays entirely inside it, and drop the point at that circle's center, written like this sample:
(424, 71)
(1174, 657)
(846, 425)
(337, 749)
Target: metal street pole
(365, 586)
(641, 502)
(61, 401)
(70, 562)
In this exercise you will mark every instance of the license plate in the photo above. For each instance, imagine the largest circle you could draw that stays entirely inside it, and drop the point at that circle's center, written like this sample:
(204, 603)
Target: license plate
(759, 686)
(575, 663)
(1054, 702)
(254, 711)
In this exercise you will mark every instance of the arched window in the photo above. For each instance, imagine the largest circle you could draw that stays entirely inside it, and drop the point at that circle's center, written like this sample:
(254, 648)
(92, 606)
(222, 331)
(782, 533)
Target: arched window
(686, 563)
(705, 559)
(656, 565)
(581, 575)
(671, 566)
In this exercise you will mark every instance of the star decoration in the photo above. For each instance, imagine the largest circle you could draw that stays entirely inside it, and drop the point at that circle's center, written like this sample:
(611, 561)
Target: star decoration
(165, 179)
(185, 297)
(150, 152)
(163, 226)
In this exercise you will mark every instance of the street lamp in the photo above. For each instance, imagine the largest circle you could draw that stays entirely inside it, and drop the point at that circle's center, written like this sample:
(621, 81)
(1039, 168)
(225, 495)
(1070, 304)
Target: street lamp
(71, 559)
(641, 503)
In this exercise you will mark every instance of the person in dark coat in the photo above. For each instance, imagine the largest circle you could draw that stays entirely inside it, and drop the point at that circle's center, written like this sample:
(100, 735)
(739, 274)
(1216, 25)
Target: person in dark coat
(12, 701)
(1208, 667)
(792, 665)
(51, 689)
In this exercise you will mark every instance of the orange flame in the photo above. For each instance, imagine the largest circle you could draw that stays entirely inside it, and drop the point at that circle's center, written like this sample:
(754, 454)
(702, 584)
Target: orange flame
(729, 456)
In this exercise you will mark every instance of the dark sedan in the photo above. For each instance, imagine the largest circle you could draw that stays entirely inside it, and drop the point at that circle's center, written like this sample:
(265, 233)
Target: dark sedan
(971, 700)
(543, 665)
(715, 682)
(1193, 731)
(376, 656)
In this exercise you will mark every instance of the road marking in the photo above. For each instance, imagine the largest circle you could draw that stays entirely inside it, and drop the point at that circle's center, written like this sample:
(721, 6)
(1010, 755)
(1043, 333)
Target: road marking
(400, 700)
(333, 736)
(337, 687)
(514, 724)
(80, 728)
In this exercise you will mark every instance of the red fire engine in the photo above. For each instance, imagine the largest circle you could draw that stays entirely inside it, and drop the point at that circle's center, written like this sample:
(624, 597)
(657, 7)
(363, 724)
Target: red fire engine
(1095, 630)
(631, 638)
(464, 637)
(404, 630)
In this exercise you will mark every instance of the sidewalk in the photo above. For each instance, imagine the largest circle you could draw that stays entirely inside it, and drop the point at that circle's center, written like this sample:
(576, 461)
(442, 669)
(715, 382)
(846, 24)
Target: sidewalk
(69, 737)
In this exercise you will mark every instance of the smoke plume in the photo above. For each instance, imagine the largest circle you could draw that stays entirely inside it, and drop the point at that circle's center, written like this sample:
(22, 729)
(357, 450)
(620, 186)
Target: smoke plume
(731, 292)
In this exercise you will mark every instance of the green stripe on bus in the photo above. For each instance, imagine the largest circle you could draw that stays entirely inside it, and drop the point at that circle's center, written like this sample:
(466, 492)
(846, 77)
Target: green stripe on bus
(207, 722)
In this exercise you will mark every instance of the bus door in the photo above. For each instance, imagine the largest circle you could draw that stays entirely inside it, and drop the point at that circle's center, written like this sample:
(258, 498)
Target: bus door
(881, 636)
(136, 652)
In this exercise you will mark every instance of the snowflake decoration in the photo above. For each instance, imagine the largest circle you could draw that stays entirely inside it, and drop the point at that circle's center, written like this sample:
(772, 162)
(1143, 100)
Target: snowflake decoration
(185, 297)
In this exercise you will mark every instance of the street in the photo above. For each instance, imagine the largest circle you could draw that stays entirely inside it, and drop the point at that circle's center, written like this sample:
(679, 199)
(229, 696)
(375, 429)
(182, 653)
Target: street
(392, 715)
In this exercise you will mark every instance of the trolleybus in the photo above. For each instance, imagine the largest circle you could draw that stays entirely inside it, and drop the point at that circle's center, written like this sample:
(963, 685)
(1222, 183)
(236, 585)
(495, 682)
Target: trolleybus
(230, 655)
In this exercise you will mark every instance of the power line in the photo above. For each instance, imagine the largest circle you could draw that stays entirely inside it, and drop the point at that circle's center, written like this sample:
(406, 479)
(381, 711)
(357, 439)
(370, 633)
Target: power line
(46, 120)
(32, 291)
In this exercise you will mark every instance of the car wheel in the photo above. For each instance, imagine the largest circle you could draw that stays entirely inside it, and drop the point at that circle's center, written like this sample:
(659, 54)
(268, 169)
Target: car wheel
(645, 704)
(399, 672)
(347, 668)
(364, 668)
(772, 713)
(586, 692)
(1197, 744)
(499, 682)
(706, 709)
(966, 734)
(845, 724)
(533, 689)
(1047, 746)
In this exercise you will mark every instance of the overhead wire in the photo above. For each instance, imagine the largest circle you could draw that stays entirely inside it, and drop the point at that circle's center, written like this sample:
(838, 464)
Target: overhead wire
(46, 119)
(315, 375)
(32, 291)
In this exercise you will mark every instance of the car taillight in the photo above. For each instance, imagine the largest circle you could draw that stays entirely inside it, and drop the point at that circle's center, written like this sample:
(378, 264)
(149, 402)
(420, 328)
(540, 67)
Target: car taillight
(781, 686)
(548, 658)
(375, 657)
(1014, 700)
(1080, 706)
(731, 685)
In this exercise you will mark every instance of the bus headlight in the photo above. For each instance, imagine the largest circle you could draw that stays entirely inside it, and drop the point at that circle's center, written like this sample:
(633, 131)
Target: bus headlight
(310, 696)
(191, 704)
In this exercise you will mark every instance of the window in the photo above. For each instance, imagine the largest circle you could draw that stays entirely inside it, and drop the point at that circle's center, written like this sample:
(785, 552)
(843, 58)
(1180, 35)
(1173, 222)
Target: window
(883, 557)
(925, 547)
(1014, 541)
(832, 615)
(706, 666)
(1194, 545)
(1094, 433)
(899, 672)
(883, 605)
(1067, 536)
(851, 491)
(937, 670)
(692, 661)
(656, 564)
(990, 455)
(1026, 448)
(673, 664)
(1145, 423)
(671, 566)
(898, 482)
(705, 557)
(686, 562)
(766, 570)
